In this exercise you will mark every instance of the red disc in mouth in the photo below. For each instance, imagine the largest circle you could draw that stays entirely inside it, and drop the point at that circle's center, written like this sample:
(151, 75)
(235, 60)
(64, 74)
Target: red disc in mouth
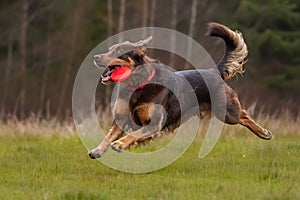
(121, 74)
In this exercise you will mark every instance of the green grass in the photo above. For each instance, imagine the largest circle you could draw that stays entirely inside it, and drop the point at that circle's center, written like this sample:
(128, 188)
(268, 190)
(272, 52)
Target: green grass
(240, 167)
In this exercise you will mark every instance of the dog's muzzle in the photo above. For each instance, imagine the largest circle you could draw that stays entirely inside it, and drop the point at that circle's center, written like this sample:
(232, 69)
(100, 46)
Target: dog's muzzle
(98, 61)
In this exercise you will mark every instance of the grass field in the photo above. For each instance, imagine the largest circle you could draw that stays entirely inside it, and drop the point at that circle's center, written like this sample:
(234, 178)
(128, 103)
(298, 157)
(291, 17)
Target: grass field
(241, 166)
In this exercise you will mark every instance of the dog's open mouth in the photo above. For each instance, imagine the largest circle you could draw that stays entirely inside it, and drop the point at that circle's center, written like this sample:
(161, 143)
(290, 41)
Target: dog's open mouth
(118, 69)
(116, 73)
(106, 76)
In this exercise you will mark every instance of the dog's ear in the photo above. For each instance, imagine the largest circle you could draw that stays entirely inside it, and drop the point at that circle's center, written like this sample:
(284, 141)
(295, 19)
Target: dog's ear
(142, 43)
(146, 41)
(140, 46)
(141, 52)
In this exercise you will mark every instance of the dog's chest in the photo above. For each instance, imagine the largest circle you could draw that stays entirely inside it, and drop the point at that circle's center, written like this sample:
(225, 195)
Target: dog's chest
(141, 103)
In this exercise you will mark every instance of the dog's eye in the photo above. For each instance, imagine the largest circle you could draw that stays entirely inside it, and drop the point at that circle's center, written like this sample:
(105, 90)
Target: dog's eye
(119, 52)
(124, 57)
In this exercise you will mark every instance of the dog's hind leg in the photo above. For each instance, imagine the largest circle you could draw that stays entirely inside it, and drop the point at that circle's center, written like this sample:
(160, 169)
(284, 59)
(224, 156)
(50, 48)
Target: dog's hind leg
(246, 121)
(236, 115)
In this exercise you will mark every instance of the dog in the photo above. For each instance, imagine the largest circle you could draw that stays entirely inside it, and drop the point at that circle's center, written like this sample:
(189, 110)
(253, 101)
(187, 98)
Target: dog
(151, 107)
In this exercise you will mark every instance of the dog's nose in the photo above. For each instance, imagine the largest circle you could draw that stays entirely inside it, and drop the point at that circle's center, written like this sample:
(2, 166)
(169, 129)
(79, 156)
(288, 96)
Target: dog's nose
(97, 57)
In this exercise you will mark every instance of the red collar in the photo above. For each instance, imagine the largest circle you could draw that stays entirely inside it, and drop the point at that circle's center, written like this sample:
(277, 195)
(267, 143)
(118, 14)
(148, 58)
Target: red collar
(141, 86)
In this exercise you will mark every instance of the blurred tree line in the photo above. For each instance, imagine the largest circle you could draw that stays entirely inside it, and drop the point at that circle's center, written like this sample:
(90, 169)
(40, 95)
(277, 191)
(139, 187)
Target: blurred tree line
(42, 44)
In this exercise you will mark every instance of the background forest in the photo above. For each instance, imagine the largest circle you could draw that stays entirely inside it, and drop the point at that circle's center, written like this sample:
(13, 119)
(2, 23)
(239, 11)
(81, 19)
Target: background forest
(42, 44)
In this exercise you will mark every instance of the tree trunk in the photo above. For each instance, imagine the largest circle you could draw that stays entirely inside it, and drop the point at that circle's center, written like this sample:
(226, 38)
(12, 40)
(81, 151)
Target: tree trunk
(152, 15)
(145, 17)
(173, 37)
(45, 72)
(22, 65)
(69, 63)
(105, 100)
(7, 74)
(191, 29)
(110, 20)
(121, 19)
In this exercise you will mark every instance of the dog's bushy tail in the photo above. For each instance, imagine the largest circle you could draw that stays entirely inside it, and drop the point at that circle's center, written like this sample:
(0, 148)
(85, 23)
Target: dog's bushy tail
(236, 50)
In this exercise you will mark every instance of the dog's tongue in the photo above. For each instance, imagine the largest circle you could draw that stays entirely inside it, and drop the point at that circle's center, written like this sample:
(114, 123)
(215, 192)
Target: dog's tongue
(121, 74)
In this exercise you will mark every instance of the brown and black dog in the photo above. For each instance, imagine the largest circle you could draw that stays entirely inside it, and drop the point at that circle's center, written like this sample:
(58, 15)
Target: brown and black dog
(138, 109)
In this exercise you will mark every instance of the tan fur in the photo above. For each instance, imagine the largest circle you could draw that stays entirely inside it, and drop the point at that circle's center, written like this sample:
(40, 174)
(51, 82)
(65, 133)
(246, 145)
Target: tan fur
(204, 111)
(109, 61)
(253, 126)
(114, 133)
(144, 112)
(236, 59)
(122, 63)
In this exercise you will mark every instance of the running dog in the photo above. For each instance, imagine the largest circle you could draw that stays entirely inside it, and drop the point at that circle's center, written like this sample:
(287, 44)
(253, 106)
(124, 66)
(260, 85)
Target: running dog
(141, 74)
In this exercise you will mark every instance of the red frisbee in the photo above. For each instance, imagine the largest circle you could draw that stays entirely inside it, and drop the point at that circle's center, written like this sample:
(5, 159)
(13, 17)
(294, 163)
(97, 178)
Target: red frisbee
(120, 74)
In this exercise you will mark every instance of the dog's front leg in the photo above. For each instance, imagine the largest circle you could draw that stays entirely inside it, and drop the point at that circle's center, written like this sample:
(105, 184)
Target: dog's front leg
(116, 130)
(132, 138)
(147, 131)
(114, 133)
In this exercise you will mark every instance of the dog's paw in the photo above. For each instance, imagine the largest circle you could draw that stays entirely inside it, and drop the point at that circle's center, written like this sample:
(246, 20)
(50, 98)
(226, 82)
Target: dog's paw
(267, 135)
(118, 146)
(96, 153)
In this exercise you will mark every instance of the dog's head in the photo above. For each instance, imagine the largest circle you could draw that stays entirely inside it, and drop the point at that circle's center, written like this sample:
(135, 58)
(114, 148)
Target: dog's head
(125, 54)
